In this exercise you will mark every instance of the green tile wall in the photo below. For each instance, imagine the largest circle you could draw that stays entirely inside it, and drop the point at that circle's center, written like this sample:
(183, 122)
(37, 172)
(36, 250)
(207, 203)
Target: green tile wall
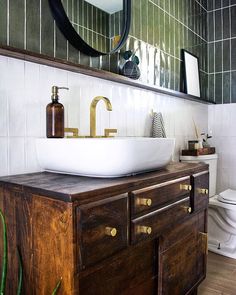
(221, 51)
(159, 30)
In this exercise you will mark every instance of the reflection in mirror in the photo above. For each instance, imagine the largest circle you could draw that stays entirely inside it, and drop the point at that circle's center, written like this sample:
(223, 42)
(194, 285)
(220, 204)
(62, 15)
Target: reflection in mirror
(98, 22)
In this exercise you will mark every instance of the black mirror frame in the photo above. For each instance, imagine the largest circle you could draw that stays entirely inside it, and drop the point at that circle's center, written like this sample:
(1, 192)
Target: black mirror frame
(74, 38)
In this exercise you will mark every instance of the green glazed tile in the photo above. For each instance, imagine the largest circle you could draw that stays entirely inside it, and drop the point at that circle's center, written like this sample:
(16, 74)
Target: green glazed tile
(218, 88)
(150, 23)
(144, 18)
(172, 73)
(226, 87)
(167, 33)
(3, 22)
(47, 29)
(16, 24)
(73, 54)
(83, 58)
(162, 30)
(61, 45)
(158, 27)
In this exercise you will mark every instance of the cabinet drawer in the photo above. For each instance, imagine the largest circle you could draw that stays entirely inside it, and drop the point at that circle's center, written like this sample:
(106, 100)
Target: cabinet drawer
(102, 229)
(154, 223)
(201, 190)
(150, 198)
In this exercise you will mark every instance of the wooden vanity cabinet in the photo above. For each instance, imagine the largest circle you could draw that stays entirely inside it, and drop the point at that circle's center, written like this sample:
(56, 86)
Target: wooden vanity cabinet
(139, 235)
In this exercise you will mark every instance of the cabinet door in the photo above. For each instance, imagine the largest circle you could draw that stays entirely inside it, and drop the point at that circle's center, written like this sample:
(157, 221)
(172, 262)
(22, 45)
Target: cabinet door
(200, 184)
(182, 264)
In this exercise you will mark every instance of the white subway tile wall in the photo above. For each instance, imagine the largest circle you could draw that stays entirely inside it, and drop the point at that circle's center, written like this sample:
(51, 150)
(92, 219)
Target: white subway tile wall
(25, 90)
(222, 124)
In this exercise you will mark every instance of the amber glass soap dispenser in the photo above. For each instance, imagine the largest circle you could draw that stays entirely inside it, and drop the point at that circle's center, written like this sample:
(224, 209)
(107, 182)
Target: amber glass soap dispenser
(55, 115)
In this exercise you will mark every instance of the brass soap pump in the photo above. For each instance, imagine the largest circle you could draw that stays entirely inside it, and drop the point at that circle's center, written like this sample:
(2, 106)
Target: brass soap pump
(55, 115)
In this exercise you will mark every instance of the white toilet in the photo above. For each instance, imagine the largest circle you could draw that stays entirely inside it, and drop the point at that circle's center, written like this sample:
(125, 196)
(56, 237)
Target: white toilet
(222, 211)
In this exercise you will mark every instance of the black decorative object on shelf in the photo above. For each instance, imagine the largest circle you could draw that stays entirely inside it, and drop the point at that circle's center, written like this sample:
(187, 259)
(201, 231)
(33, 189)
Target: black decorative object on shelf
(130, 68)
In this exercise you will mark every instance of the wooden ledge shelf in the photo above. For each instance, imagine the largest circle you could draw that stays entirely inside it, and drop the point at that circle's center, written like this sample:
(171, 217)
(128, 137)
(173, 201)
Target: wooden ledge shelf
(77, 68)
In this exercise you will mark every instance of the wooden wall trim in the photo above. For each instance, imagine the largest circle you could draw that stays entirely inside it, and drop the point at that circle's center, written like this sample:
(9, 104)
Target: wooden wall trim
(77, 68)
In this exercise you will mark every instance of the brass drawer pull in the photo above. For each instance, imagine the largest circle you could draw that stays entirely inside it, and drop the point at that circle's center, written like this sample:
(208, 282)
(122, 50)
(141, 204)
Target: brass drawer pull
(185, 187)
(144, 230)
(111, 231)
(144, 202)
(187, 209)
(203, 191)
(204, 237)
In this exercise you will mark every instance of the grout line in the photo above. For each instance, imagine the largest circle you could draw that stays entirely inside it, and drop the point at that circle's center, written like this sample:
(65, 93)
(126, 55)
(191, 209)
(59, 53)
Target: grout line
(8, 23)
(214, 48)
(222, 63)
(54, 38)
(221, 40)
(230, 54)
(223, 72)
(40, 26)
(222, 8)
(25, 24)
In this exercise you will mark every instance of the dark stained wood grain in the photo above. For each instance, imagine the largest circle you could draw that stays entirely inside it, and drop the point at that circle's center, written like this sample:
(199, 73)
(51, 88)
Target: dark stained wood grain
(160, 195)
(24, 234)
(81, 190)
(77, 68)
(93, 219)
(53, 246)
(42, 229)
(136, 267)
(180, 271)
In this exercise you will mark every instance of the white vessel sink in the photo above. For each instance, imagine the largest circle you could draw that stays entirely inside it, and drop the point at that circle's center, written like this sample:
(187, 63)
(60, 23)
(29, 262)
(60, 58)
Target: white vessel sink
(104, 157)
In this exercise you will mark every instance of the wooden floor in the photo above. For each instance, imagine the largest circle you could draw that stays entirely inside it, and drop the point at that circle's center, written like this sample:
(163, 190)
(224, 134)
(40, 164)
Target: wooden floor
(221, 276)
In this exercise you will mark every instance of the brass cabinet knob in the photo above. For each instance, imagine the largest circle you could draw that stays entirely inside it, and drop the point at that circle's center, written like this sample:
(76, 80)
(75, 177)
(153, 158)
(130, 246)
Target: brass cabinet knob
(111, 231)
(203, 191)
(144, 230)
(185, 187)
(187, 209)
(144, 202)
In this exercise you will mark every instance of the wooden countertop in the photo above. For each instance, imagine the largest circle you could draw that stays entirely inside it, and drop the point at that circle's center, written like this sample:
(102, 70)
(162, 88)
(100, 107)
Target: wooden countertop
(71, 188)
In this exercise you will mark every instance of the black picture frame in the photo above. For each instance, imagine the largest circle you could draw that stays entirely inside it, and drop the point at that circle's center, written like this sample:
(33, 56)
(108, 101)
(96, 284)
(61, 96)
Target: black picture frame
(65, 26)
(191, 74)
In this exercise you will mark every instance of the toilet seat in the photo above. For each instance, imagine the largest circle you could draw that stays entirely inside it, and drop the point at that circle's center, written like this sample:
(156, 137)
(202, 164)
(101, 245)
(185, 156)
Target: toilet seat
(228, 197)
(214, 201)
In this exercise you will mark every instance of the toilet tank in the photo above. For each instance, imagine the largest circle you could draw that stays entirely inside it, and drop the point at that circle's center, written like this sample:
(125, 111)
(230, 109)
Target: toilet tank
(211, 160)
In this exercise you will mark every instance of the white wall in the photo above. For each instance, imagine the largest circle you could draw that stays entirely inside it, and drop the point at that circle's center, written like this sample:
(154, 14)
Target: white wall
(25, 90)
(222, 123)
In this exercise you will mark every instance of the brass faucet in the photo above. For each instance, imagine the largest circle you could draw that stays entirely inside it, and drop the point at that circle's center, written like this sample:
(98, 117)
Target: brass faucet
(93, 116)
(107, 132)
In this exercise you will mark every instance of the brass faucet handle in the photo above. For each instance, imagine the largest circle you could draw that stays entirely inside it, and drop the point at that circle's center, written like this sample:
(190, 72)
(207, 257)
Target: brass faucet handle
(74, 131)
(107, 132)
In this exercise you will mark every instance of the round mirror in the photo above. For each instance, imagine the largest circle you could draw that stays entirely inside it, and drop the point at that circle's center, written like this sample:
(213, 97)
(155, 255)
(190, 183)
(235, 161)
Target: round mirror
(95, 27)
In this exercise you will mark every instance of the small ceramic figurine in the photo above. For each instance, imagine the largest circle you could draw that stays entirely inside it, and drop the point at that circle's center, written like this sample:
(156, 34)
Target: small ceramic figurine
(130, 68)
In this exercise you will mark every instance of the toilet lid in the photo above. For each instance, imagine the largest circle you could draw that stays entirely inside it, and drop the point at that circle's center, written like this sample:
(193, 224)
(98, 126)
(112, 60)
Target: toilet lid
(228, 196)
